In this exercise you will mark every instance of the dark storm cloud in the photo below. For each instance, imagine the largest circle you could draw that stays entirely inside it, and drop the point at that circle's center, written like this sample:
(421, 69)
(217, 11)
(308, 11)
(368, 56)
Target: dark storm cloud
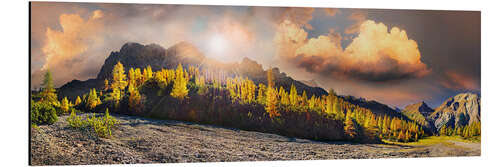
(325, 67)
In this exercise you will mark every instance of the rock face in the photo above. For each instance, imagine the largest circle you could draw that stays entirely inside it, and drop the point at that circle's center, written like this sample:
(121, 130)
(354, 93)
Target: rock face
(419, 112)
(311, 83)
(140, 56)
(462, 109)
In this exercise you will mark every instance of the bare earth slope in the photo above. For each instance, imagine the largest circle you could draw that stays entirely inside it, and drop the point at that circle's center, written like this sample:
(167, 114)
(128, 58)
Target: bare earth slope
(141, 140)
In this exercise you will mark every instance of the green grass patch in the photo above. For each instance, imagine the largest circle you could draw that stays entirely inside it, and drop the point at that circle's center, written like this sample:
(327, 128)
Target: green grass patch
(432, 140)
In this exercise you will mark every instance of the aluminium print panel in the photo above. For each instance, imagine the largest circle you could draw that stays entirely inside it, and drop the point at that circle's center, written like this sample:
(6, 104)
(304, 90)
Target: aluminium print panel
(116, 83)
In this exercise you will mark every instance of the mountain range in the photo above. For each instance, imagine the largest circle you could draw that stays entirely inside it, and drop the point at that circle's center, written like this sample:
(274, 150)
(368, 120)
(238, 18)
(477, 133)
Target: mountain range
(459, 110)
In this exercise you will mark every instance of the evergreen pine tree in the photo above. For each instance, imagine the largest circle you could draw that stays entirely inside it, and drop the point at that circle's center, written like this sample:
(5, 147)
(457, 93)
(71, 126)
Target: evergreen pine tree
(48, 92)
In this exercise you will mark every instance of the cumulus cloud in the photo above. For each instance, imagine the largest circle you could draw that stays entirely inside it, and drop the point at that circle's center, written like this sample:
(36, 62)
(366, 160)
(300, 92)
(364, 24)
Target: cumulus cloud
(376, 54)
(456, 81)
(64, 50)
(75, 45)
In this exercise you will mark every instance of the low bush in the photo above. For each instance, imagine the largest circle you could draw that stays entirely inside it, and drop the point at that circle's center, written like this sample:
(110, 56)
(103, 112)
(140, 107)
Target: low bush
(75, 121)
(102, 126)
(43, 113)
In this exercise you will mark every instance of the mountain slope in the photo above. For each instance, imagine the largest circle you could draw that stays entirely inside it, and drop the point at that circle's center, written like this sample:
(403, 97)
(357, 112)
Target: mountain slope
(375, 107)
(135, 55)
(419, 112)
(462, 109)
(140, 56)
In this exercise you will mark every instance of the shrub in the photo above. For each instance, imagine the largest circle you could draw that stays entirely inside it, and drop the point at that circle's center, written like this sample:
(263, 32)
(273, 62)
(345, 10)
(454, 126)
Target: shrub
(43, 113)
(102, 126)
(75, 121)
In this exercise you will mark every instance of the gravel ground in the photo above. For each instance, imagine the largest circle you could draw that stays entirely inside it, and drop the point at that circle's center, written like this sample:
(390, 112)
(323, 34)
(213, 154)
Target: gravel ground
(141, 140)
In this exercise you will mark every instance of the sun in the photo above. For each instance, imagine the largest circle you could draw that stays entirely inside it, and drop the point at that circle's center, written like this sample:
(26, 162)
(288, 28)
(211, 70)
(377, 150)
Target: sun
(218, 44)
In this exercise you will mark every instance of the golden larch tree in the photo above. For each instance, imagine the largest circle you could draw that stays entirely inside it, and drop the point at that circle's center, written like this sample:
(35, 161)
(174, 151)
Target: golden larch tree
(179, 90)
(65, 104)
(271, 96)
(119, 77)
(78, 100)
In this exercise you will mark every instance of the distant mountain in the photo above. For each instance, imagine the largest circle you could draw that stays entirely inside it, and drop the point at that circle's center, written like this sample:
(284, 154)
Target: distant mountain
(462, 109)
(419, 112)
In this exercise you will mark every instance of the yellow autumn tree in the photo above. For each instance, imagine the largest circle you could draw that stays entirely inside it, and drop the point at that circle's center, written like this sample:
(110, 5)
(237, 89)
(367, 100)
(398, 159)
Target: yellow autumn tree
(106, 84)
(132, 77)
(271, 96)
(350, 128)
(401, 136)
(148, 73)
(283, 95)
(119, 78)
(330, 102)
(65, 104)
(138, 76)
(303, 98)
(78, 100)
(92, 100)
(294, 99)
(261, 97)
(312, 101)
(179, 90)
(118, 83)
(116, 96)
(134, 100)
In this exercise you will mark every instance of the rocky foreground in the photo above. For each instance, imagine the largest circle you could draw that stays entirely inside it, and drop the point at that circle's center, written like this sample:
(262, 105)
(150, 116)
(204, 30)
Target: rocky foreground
(141, 140)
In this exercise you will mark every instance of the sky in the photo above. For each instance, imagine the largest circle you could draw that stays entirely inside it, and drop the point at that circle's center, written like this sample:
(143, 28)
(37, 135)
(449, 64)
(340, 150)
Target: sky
(397, 57)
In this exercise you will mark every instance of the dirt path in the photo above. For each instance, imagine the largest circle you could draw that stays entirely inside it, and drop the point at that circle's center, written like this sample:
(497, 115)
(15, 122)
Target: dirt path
(140, 140)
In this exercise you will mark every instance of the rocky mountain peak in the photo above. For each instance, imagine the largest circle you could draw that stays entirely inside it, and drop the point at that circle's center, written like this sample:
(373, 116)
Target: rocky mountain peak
(140, 56)
(418, 112)
(460, 110)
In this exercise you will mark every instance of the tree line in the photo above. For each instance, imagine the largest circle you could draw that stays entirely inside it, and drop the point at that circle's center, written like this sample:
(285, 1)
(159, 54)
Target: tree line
(235, 101)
